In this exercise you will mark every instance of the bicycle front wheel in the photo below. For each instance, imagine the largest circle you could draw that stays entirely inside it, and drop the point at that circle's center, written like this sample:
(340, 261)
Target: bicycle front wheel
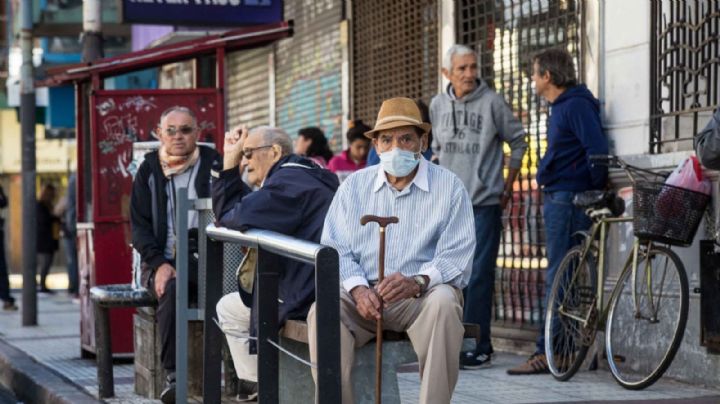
(570, 320)
(647, 318)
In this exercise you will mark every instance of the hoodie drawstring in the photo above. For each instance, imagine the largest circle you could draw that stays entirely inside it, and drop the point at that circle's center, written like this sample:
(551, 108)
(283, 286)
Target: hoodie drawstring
(453, 114)
(465, 112)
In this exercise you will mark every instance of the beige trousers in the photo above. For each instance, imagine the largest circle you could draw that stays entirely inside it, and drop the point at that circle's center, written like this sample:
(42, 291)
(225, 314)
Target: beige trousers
(434, 324)
(234, 319)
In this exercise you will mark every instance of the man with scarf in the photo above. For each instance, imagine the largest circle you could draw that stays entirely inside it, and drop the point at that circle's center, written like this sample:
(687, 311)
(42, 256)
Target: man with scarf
(292, 197)
(179, 163)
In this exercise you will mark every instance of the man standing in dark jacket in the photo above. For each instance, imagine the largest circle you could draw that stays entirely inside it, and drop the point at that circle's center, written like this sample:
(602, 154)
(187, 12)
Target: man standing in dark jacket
(180, 163)
(292, 198)
(7, 300)
(707, 143)
(574, 133)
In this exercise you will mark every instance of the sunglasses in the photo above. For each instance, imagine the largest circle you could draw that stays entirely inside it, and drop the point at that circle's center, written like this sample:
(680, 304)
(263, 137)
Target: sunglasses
(248, 152)
(183, 130)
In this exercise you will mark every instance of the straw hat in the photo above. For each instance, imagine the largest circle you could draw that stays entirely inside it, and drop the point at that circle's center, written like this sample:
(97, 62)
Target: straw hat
(397, 112)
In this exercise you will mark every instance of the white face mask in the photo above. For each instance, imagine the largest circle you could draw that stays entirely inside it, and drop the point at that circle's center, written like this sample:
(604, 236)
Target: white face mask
(399, 163)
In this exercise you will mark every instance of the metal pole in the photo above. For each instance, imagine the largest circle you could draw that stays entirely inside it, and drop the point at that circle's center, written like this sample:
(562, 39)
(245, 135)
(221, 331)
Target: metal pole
(27, 130)
(92, 31)
(181, 295)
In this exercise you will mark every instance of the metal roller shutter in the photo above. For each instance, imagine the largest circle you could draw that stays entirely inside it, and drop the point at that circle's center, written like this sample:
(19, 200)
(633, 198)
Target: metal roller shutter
(308, 70)
(506, 34)
(248, 88)
(395, 53)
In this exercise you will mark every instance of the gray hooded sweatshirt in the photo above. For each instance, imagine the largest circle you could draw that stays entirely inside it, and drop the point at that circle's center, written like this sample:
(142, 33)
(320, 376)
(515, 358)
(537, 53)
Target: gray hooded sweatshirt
(468, 135)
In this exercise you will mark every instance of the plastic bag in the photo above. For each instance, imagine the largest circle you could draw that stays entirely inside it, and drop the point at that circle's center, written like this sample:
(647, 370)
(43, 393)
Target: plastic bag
(688, 175)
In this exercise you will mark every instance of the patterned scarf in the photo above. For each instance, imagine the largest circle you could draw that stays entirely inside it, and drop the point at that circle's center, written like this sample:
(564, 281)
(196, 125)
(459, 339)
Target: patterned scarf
(174, 165)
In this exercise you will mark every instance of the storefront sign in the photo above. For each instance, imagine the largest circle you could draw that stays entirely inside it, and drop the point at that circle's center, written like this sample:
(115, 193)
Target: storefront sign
(203, 12)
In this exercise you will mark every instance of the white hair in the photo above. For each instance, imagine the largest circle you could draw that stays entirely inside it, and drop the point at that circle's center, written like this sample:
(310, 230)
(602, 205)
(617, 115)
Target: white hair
(458, 50)
(274, 136)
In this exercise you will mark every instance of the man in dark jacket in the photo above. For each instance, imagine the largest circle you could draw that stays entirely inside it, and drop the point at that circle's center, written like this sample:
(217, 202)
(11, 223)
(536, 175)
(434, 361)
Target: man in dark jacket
(180, 163)
(574, 133)
(7, 300)
(707, 143)
(292, 198)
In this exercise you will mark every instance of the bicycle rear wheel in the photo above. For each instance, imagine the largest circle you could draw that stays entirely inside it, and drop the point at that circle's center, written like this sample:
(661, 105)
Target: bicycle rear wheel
(570, 318)
(649, 304)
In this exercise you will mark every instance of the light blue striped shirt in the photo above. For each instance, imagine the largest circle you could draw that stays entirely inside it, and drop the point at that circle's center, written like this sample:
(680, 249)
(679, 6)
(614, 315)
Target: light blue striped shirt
(435, 235)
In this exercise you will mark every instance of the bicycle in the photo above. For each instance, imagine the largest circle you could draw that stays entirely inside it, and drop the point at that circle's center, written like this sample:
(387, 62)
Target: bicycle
(650, 297)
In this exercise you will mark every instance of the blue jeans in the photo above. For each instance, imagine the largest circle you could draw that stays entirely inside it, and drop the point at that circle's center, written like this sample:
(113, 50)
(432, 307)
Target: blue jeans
(72, 267)
(479, 291)
(562, 220)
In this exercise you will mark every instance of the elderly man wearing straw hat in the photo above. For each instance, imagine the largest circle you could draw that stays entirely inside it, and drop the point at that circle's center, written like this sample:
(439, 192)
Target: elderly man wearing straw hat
(427, 258)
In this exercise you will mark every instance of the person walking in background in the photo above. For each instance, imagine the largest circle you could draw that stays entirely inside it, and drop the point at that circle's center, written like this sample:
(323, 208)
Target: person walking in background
(48, 234)
(312, 143)
(574, 133)
(65, 210)
(7, 299)
(354, 157)
(471, 123)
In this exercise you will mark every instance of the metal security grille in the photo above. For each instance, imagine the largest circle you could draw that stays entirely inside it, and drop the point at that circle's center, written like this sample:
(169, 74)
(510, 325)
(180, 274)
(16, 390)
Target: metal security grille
(308, 89)
(506, 34)
(684, 71)
(248, 88)
(395, 53)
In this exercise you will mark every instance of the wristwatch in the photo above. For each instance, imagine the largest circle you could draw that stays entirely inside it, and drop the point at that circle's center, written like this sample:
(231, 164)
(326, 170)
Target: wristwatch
(422, 283)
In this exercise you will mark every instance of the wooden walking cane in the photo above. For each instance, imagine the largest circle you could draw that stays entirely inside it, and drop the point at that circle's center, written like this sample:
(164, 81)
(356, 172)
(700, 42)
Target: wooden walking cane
(383, 222)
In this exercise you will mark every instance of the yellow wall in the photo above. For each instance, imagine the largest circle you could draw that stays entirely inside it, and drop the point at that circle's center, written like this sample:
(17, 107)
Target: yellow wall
(53, 156)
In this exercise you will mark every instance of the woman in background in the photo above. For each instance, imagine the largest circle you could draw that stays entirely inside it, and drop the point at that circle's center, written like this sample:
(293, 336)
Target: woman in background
(352, 159)
(312, 143)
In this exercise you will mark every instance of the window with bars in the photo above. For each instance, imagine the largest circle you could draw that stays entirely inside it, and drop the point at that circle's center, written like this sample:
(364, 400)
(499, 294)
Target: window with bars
(684, 71)
(506, 34)
(395, 53)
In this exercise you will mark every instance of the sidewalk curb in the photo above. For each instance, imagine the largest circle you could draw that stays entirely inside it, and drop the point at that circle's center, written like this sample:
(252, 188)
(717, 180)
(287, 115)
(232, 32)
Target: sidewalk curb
(35, 383)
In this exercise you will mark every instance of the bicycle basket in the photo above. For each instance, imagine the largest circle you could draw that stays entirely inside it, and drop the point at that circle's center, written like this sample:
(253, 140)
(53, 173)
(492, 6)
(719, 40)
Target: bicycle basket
(666, 213)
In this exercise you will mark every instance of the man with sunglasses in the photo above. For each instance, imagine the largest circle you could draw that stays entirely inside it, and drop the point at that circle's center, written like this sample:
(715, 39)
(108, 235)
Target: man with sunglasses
(292, 197)
(179, 163)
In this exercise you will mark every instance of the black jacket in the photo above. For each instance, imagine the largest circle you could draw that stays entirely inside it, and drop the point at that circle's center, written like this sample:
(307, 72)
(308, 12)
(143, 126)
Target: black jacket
(148, 206)
(294, 200)
(46, 242)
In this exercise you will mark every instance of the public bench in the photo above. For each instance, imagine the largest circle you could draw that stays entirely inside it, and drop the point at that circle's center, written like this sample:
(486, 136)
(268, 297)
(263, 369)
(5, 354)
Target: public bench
(104, 298)
(296, 384)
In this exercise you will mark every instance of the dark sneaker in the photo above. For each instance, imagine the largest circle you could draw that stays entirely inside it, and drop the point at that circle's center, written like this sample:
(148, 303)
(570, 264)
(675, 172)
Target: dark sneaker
(168, 394)
(9, 305)
(247, 391)
(470, 360)
(535, 365)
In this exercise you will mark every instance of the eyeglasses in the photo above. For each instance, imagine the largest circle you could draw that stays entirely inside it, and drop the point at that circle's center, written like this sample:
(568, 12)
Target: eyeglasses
(248, 152)
(183, 130)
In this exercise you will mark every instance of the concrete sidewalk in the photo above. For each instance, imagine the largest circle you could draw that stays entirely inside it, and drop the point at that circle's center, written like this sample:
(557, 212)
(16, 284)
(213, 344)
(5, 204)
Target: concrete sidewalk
(44, 363)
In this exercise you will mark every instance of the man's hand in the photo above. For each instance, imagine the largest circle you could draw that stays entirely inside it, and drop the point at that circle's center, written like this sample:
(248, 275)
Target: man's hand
(367, 302)
(163, 274)
(233, 145)
(504, 199)
(397, 287)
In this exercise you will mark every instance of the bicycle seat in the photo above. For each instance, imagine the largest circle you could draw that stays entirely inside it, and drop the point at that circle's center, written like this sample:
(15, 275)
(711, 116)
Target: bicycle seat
(599, 200)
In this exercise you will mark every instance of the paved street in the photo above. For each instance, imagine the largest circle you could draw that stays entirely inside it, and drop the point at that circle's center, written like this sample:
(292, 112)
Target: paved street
(55, 344)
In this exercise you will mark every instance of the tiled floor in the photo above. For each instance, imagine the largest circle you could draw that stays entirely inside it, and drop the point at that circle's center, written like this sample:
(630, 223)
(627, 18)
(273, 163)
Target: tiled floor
(55, 343)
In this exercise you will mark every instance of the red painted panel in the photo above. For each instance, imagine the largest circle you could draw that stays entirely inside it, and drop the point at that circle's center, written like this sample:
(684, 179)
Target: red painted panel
(119, 118)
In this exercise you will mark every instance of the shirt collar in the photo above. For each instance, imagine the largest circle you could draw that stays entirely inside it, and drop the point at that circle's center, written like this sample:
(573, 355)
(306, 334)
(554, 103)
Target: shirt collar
(420, 180)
